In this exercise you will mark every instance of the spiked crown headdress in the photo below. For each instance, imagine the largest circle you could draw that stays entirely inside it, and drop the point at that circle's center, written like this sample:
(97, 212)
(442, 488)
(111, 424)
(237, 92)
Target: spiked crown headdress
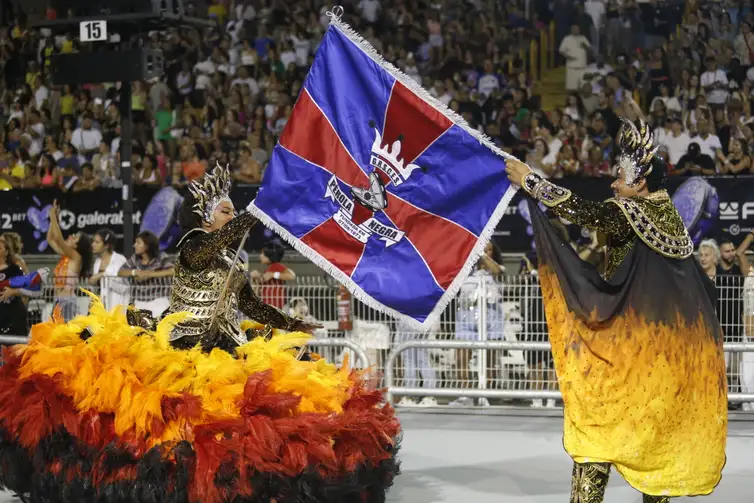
(636, 149)
(209, 191)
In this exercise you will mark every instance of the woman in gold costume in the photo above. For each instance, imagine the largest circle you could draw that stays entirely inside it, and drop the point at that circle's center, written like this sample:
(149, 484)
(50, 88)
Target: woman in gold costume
(208, 282)
(637, 347)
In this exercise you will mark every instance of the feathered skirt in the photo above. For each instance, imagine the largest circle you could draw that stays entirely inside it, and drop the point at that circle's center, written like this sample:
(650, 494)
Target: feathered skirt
(118, 415)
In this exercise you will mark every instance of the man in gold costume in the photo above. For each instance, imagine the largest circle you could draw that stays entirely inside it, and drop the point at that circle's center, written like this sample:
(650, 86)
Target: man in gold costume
(637, 346)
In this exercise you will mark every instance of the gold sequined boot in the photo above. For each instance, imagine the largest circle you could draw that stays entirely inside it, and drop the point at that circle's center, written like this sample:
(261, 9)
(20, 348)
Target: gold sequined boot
(589, 482)
(656, 499)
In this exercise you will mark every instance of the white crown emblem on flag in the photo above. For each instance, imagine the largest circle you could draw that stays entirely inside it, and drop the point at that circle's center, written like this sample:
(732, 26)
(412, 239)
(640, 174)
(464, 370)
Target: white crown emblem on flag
(386, 160)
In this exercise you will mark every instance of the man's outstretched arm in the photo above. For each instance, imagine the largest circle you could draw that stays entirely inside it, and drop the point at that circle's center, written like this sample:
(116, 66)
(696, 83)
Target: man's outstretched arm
(605, 218)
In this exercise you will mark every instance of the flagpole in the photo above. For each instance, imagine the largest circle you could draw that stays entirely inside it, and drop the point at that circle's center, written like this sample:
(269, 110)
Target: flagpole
(226, 286)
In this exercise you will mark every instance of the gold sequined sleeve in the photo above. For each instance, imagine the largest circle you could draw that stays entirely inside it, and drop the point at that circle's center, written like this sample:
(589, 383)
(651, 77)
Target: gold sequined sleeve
(605, 218)
(198, 251)
(253, 307)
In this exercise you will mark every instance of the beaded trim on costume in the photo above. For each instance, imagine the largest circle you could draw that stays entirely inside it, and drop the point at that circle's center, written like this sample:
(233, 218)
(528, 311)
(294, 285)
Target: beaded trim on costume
(679, 246)
(542, 190)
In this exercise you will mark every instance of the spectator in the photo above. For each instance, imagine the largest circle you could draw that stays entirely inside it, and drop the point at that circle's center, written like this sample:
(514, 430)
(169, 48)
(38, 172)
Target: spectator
(48, 171)
(113, 290)
(146, 267)
(568, 163)
(249, 171)
(737, 161)
(596, 166)
(553, 143)
(67, 104)
(744, 44)
(417, 363)
(714, 81)
(575, 49)
(164, 122)
(671, 102)
(709, 257)
(694, 162)
(599, 135)
(12, 307)
(16, 248)
(193, 167)
(489, 80)
(51, 148)
(732, 268)
(86, 138)
(574, 107)
(147, 172)
(12, 176)
(87, 181)
(36, 133)
(709, 143)
(481, 288)
(68, 175)
(733, 260)
(272, 280)
(687, 90)
(106, 170)
(677, 141)
(31, 178)
(75, 263)
(536, 158)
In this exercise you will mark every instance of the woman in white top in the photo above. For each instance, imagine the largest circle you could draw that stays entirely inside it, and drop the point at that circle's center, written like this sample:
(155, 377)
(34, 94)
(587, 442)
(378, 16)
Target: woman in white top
(113, 290)
(148, 173)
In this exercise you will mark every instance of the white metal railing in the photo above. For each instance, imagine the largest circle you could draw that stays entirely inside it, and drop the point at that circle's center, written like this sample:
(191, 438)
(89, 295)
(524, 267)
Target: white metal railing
(393, 390)
(482, 391)
(507, 309)
(363, 360)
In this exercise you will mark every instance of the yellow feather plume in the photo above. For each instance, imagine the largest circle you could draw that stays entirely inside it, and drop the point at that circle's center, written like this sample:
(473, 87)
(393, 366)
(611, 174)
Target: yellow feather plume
(127, 371)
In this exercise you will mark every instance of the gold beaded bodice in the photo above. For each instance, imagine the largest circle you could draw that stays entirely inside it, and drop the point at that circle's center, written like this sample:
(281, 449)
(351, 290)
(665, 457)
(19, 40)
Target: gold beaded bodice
(200, 292)
(621, 221)
(200, 276)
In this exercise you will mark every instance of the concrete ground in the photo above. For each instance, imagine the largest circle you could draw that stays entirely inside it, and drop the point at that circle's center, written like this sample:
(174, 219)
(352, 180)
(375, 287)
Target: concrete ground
(492, 459)
(467, 458)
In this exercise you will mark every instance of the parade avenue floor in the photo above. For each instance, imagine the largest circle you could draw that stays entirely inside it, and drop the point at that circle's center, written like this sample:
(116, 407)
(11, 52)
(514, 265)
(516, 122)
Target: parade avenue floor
(492, 458)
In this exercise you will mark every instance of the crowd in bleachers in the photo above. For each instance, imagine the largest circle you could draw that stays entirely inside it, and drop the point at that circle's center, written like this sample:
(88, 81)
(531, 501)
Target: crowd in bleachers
(228, 91)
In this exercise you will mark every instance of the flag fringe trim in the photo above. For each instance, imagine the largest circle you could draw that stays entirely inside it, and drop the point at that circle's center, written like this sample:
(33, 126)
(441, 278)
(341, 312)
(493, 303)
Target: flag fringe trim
(484, 237)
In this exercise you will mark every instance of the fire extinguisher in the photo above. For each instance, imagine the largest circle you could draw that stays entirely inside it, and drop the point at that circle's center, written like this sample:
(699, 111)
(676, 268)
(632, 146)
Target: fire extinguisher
(345, 322)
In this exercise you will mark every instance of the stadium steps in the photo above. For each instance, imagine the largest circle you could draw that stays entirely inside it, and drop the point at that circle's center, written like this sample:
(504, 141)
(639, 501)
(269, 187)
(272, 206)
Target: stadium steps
(552, 89)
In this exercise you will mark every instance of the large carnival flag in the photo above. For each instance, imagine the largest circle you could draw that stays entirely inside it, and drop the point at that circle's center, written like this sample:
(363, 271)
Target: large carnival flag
(380, 184)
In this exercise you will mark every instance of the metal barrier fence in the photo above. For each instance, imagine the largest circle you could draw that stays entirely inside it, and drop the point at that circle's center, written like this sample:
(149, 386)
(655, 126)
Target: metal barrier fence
(505, 315)
(484, 393)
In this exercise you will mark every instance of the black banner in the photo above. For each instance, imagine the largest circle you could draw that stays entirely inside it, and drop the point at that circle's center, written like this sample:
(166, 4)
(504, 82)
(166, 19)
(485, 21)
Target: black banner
(711, 207)
(27, 213)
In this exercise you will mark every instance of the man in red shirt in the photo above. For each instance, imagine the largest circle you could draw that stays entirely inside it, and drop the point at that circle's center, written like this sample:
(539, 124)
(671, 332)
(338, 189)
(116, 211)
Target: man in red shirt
(273, 279)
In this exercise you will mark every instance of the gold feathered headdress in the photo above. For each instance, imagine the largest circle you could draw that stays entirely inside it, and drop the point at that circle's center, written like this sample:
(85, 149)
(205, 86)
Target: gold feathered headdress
(636, 149)
(211, 190)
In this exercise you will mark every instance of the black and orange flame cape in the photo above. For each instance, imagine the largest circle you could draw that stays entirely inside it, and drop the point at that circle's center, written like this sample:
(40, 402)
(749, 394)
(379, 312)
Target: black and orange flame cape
(640, 364)
(118, 415)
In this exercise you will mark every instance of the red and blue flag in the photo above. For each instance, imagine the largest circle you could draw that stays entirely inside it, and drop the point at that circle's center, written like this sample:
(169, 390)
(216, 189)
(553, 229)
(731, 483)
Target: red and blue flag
(380, 184)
